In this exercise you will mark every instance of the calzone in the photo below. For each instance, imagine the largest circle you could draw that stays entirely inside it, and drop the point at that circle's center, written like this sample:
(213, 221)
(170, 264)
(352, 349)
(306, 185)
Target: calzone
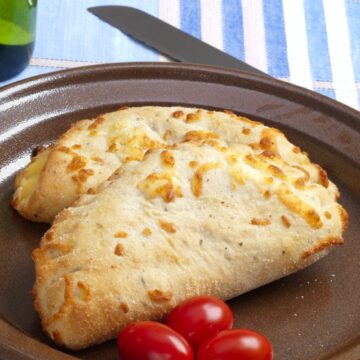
(92, 150)
(220, 212)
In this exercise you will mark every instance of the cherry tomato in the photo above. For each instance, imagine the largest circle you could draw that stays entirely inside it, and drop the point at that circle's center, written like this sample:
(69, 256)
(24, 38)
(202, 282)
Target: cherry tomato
(147, 340)
(200, 318)
(237, 344)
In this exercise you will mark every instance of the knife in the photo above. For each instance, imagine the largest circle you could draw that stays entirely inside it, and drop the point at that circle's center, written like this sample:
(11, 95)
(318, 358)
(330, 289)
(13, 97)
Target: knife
(166, 38)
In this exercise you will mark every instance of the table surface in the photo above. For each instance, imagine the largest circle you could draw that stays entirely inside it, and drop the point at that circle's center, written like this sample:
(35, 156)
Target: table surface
(311, 43)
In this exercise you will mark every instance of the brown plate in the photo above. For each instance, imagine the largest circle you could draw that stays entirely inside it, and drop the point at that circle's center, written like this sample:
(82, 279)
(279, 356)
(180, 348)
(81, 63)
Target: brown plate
(313, 314)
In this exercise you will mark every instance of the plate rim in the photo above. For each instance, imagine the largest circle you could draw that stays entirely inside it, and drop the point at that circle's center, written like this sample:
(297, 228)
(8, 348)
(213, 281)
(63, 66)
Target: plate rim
(12, 91)
(39, 80)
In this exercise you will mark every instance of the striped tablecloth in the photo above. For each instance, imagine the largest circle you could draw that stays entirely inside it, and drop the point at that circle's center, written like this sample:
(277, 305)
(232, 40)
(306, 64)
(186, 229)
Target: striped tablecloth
(311, 43)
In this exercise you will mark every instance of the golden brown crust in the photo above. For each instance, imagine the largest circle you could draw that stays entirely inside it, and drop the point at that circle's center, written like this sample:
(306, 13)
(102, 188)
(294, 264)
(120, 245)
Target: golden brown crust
(121, 234)
(260, 222)
(150, 249)
(91, 150)
(160, 296)
(344, 217)
(147, 231)
(296, 205)
(165, 195)
(323, 178)
(167, 226)
(323, 244)
(285, 221)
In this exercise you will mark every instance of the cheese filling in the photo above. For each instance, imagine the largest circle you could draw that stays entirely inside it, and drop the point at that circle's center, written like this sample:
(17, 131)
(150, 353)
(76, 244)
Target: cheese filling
(28, 181)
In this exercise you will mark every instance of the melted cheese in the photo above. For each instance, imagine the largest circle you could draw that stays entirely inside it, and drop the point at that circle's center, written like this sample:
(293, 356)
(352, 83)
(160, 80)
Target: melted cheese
(160, 185)
(27, 183)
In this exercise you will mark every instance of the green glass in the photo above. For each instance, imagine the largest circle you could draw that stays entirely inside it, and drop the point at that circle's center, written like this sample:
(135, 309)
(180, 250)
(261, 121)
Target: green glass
(17, 35)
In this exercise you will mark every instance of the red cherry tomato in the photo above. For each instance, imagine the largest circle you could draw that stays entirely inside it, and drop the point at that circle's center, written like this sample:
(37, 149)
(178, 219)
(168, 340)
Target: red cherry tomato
(237, 344)
(200, 318)
(147, 340)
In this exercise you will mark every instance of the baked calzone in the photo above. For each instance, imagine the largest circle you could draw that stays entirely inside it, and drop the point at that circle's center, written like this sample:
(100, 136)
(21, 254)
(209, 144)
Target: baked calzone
(92, 150)
(217, 205)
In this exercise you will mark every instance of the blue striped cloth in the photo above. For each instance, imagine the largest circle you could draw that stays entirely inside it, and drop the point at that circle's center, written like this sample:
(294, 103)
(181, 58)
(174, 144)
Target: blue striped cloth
(311, 43)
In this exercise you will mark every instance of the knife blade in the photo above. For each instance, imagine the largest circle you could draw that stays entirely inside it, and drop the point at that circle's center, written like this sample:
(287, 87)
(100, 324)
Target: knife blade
(166, 38)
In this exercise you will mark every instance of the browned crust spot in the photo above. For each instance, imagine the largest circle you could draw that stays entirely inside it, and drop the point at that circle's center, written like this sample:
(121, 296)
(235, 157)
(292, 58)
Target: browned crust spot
(229, 112)
(97, 159)
(57, 337)
(197, 135)
(246, 131)
(337, 195)
(77, 162)
(177, 114)
(248, 121)
(275, 171)
(299, 183)
(124, 307)
(49, 235)
(86, 295)
(193, 164)
(15, 202)
(197, 179)
(323, 244)
(255, 146)
(167, 158)
(267, 194)
(344, 217)
(81, 178)
(236, 177)
(98, 121)
(112, 148)
(266, 143)
(296, 150)
(119, 250)
(285, 221)
(323, 178)
(91, 191)
(296, 205)
(235, 172)
(241, 118)
(160, 185)
(251, 160)
(116, 173)
(160, 296)
(76, 146)
(65, 150)
(167, 226)
(147, 231)
(327, 214)
(268, 140)
(83, 175)
(232, 159)
(121, 234)
(166, 135)
(260, 222)
(215, 144)
(171, 146)
(190, 118)
(268, 154)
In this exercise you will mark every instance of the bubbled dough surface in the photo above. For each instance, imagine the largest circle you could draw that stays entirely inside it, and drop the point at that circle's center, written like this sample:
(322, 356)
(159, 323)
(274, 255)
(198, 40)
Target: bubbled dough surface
(109, 141)
(223, 240)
